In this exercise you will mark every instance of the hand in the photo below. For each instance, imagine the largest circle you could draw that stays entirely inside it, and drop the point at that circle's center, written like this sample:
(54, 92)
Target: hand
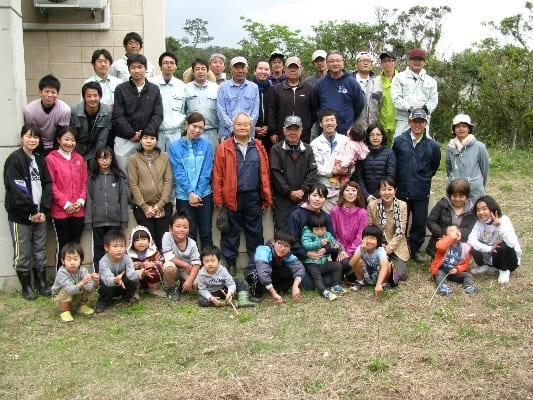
(363, 246)
(70, 209)
(187, 285)
(215, 301)
(277, 298)
(296, 195)
(85, 280)
(219, 206)
(137, 264)
(296, 293)
(229, 296)
(496, 245)
(194, 200)
(148, 264)
(117, 280)
(95, 277)
(150, 212)
(458, 235)
(324, 242)
(334, 246)
(274, 139)
(136, 137)
(314, 254)
(339, 171)
(370, 197)
(37, 218)
(453, 271)
(341, 256)
(261, 131)
(495, 220)
(378, 289)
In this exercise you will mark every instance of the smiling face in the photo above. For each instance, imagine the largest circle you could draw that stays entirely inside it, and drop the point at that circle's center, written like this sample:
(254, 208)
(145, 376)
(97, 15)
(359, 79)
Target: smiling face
(92, 100)
(217, 65)
(375, 138)
(194, 130)
(180, 229)
(458, 200)
(262, 71)
(101, 66)
(137, 72)
(276, 64)
(388, 64)
(349, 195)
(72, 262)
(329, 124)
(418, 126)
(371, 243)
(148, 143)
(29, 142)
(387, 193)
(242, 127)
(132, 47)
(416, 64)
(483, 212)
(461, 130)
(200, 73)
(141, 244)
(335, 64)
(67, 142)
(293, 72)
(316, 201)
(292, 134)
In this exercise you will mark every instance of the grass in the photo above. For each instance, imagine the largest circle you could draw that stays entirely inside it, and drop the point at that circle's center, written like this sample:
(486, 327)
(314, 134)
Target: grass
(359, 347)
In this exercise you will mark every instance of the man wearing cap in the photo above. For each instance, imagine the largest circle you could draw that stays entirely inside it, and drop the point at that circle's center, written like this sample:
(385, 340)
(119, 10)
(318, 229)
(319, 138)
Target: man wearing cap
(276, 60)
(413, 88)
(386, 109)
(371, 87)
(241, 183)
(418, 158)
(293, 170)
(339, 91)
(217, 64)
(237, 95)
(319, 63)
(133, 44)
(138, 106)
(292, 96)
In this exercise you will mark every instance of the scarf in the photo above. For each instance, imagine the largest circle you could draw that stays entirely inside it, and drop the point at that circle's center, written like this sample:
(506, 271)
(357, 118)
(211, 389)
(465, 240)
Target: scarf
(466, 141)
(262, 85)
(397, 216)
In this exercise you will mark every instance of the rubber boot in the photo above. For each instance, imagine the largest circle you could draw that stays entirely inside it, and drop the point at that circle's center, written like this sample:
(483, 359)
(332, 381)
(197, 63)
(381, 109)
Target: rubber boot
(40, 282)
(232, 268)
(244, 299)
(25, 282)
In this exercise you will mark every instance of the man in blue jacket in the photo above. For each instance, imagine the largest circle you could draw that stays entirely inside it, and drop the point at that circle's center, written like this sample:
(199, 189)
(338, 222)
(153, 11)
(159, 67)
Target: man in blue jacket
(340, 92)
(418, 158)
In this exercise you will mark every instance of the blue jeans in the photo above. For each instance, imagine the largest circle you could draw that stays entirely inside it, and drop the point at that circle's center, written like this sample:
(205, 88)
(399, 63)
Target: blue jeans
(201, 219)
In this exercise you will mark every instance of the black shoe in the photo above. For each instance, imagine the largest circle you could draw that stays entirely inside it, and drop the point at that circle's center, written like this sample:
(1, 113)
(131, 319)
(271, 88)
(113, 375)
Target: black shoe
(100, 308)
(232, 269)
(174, 293)
(25, 282)
(40, 282)
(417, 257)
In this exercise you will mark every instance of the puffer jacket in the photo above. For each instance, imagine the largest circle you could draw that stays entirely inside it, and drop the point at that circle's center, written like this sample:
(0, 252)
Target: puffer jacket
(379, 163)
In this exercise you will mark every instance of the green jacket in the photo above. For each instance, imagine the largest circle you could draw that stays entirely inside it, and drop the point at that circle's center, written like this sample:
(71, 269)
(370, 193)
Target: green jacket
(386, 110)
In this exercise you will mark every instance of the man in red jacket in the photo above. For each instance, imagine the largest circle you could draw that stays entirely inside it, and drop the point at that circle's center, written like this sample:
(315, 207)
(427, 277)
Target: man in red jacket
(241, 183)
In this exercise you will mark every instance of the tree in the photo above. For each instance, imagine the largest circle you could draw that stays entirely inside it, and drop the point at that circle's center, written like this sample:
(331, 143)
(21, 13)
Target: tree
(197, 30)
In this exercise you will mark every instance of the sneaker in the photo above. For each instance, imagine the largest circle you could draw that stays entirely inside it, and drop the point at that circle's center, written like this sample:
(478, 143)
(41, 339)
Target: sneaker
(100, 308)
(66, 316)
(136, 297)
(174, 293)
(159, 293)
(504, 276)
(417, 257)
(470, 289)
(444, 290)
(484, 269)
(85, 310)
(329, 296)
(338, 289)
(357, 287)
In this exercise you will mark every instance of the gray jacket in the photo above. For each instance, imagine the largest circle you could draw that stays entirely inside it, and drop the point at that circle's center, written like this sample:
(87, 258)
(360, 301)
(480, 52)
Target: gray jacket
(109, 269)
(373, 99)
(69, 282)
(471, 163)
(107, 201)
(208, 284)
(89, 141)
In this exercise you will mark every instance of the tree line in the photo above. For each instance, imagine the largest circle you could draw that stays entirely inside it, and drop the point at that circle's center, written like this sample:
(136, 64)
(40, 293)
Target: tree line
(491, 81)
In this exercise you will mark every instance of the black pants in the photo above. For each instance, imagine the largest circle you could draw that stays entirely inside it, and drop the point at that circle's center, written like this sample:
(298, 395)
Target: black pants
(418, 209)
(505, 258)
(108, 292)
(98, 243)
(67, 230)
(156, 226)
(317, 270)
(240, 286)
(282, 281)
(283, 207)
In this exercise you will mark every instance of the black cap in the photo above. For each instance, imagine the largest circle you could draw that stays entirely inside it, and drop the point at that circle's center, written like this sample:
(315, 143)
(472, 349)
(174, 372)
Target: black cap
(386, 54)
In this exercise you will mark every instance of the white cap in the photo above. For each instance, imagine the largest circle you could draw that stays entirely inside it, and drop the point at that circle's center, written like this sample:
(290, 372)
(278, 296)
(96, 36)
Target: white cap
(319, 53)
(462, 118)
(237, 60)
(363, 53)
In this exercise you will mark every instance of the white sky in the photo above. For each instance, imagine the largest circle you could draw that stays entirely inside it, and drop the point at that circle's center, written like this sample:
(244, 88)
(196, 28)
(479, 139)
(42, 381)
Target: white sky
(461, 27)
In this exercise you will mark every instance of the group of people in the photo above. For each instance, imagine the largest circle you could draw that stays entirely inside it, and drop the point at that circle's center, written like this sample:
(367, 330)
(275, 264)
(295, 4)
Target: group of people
(314, 149)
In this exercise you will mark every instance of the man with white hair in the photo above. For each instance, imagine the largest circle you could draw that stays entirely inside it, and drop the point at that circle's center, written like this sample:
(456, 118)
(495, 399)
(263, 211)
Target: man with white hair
(217, 64)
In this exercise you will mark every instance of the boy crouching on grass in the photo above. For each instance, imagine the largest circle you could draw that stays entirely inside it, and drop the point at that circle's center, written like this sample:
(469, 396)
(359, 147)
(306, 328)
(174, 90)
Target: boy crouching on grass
(118, 276)
(452, 261)
(73, 284)
(215, 282)
(370, 262)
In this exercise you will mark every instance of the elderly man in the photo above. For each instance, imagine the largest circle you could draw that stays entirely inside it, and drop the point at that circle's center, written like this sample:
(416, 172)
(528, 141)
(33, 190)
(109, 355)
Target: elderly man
(217, 64)
(418, 158)
(236, 95)
(135, 110)
(133, 44)
(172, 92)
(372, 89)
(92, 120)
(201, 96)
(101, 61)
(339, 91)
(319, 63)
(241, 184)
(293, 170)
(386, 109)
(413, 88)
(292, 97)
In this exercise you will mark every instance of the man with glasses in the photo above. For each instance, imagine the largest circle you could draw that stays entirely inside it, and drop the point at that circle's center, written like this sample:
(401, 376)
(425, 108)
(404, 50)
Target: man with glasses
(371, 87)
(339, 91)
(133, 44)
(418, 158)
(173, 96)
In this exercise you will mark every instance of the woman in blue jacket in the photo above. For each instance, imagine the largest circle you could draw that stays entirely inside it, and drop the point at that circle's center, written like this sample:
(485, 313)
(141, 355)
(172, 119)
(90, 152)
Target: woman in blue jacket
(191, 158)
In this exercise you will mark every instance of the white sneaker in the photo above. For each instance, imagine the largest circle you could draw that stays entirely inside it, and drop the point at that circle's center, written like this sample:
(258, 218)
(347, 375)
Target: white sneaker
(504, 276)
(484, 269)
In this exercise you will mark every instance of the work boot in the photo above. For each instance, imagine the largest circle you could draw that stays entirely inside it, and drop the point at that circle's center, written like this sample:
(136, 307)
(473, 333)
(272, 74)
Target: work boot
(25, 282)
(232, 268)
(244, 299)
(40, 281)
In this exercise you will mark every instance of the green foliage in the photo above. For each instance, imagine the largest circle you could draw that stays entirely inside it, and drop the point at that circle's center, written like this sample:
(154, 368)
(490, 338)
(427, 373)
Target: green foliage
(378, 365)
(196, 29)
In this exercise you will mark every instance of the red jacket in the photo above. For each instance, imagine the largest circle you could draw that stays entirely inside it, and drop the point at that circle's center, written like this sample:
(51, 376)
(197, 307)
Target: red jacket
(69, 182)
(225, 175)
(442, 246)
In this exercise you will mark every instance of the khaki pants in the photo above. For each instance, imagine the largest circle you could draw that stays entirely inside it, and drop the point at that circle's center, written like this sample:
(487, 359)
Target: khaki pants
(74, 300)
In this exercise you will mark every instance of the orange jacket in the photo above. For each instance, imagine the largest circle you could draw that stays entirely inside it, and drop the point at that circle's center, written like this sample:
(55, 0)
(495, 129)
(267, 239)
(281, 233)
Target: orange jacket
(225, 175)
(442, 246)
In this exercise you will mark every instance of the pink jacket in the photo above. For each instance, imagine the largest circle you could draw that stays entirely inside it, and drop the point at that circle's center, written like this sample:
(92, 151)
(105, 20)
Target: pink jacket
(349, 224)
(69, 179)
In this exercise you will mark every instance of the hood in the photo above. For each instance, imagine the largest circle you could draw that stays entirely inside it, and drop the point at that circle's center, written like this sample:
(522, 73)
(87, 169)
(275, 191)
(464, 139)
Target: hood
(469, 206)
(152, 248)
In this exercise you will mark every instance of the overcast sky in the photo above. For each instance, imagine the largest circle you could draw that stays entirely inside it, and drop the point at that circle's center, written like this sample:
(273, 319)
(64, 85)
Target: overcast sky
(461, 27)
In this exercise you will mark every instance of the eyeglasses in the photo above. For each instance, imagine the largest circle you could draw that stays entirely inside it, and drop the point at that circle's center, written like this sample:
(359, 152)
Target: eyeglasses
(105, 158)
(283, 244)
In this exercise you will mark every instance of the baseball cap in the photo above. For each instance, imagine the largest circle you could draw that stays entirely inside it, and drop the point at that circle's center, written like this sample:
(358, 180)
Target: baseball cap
(417, 53)
(462, 118)
(386, 54)
(292, 120)
(319, 53)
(293, 60)
(418, 113)
(276, 53)
(237, 60)
(361, 54)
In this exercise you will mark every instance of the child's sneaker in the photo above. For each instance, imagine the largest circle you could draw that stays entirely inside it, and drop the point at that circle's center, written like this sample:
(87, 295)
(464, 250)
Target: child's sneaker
(329, 296)
(484, 269)
(470, 289)
(100, 308)
(159, 293)
(504, 276)
(85, 310)
(136, 296)
(357, 287)
(338, 289)
(444, 290)
(174, 293)
(66, 316)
